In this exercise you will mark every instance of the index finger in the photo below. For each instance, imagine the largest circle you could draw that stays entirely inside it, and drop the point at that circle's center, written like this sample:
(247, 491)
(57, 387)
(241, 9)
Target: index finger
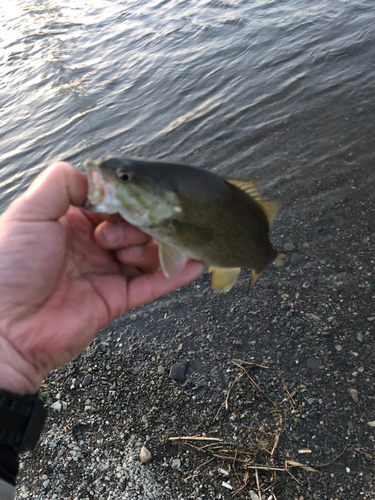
(50, 195)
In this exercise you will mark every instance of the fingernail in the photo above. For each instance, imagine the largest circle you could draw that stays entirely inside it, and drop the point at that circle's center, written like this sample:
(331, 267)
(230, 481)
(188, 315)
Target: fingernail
(114, 233)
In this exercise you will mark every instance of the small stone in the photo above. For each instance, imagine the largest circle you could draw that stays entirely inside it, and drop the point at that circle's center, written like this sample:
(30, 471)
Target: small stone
(288, 177)
(177, 372)
(161, 370)
(295, 259)
(289, 247)
(354, 394)
(227, 485)
(45, 483)
(87, 380)
(338, 347)
(56, 406)
(253, 495)
(145, 455)
(44, 477)
(360, 337)
(202, 383)
(361, 369)
(314, 364)
(176, 463)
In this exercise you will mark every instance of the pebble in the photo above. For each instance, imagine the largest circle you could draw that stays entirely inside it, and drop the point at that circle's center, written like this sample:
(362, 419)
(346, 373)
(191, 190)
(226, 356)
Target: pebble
(45, 483)
(295, 259)
(354, 394)
(87, 380)
(338, 347)
(360, 337)
(177, 372)
(161, 370)
(202, 383)
(314, 364)
(145, 455)
(289, 247)
(176, 463)
(288, 177)
(57, 405)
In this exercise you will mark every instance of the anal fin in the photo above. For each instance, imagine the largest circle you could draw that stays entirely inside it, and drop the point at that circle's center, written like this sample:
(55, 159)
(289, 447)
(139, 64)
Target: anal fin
(254, 276)
(223, 278)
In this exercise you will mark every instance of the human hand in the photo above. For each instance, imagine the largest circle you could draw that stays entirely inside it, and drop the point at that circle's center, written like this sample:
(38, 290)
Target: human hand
(65, 274)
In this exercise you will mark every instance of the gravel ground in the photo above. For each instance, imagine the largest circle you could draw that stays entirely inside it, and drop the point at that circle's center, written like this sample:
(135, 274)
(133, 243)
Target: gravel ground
(309, 322)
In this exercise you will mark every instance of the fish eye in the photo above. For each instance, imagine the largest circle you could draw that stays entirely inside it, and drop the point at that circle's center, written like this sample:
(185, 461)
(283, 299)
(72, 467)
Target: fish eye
(124, 176)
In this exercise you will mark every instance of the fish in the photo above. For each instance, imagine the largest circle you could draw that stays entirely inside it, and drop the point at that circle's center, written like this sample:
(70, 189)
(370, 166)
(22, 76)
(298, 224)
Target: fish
(190, 213)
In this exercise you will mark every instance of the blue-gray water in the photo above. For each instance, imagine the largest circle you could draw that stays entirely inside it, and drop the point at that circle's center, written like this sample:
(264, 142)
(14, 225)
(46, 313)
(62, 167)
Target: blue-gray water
(258, 88)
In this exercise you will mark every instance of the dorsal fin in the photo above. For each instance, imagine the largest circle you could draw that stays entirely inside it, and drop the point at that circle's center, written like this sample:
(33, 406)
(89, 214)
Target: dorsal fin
(252, 189)
(271, 209)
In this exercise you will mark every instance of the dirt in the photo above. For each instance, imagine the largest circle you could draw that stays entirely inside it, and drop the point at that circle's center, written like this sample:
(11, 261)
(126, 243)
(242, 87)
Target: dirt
(308, 321)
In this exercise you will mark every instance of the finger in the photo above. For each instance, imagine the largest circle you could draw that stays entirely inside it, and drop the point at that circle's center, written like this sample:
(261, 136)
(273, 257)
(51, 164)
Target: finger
(145, 257)
(96, 218)
(148, 287)
(130, 272)
(50, 195)
(115, 236)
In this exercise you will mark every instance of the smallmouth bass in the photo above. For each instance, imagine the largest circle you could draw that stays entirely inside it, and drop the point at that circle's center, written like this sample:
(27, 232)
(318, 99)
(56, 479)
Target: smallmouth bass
(190, 213)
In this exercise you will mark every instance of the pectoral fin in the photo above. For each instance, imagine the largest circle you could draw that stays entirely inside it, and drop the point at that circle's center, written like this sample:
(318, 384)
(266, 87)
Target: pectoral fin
(172, 260)
(223, 278)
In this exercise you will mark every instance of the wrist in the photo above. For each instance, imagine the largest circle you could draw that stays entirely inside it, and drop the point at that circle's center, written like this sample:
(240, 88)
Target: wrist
(17, 375)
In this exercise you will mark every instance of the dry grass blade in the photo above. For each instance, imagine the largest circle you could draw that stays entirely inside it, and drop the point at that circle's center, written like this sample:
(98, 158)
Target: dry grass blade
(250, 366)
(290, 399)
(258, 485)
(195, 438)
(292, 463)
(230, 388)
(333, 460)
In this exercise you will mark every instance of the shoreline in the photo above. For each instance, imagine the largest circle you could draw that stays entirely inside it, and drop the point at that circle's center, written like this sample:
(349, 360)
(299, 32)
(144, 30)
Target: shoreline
(309, 319)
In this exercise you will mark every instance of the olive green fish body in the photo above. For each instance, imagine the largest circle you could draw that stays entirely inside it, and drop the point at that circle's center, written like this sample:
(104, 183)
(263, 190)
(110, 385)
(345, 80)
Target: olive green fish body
(197, 213)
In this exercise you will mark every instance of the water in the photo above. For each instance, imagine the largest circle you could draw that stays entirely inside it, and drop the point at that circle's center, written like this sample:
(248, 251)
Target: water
(251, 89)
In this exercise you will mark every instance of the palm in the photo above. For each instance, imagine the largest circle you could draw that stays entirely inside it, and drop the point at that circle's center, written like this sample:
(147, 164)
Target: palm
(65, 286)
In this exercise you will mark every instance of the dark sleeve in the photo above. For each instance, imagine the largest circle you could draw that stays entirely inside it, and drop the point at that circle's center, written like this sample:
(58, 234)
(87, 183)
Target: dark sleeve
(8, 465)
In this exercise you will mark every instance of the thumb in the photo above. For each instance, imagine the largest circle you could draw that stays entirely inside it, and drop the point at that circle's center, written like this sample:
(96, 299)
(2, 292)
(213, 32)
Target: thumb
(50, 195)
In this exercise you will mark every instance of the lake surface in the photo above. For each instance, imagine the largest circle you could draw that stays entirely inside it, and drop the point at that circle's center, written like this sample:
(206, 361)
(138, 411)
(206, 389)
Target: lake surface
(255, 89)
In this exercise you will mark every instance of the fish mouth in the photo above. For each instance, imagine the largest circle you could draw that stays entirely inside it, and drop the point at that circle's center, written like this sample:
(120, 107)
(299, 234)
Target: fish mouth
(101, 193)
